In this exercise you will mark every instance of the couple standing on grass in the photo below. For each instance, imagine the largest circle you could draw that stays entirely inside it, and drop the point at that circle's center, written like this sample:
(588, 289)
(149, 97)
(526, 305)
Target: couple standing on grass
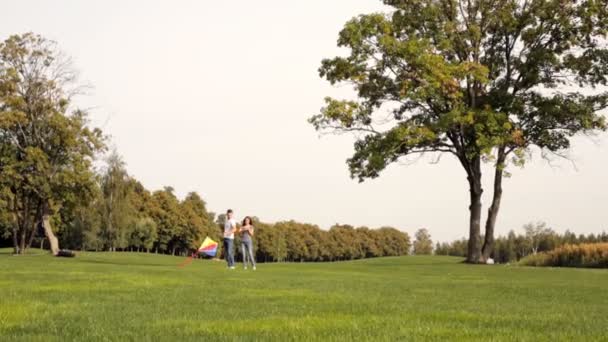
(246, 231)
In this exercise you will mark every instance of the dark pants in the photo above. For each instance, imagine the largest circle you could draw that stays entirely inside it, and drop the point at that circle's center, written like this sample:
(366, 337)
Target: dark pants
(229, 251)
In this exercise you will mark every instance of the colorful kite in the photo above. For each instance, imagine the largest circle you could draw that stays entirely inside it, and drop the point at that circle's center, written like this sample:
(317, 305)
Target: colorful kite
(209, 247)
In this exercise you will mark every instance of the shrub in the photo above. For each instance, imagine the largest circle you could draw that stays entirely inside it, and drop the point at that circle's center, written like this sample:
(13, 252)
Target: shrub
(584, 255)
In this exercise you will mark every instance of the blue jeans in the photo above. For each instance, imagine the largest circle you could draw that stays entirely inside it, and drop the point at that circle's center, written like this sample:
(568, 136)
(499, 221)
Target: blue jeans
(247, 247)
(229, 251)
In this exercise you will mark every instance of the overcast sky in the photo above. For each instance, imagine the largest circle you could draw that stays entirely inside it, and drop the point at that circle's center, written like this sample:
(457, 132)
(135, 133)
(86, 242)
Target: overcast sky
(213, 97)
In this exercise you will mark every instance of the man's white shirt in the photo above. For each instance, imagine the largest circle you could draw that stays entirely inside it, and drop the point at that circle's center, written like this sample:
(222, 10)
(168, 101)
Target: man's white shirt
(229, 225)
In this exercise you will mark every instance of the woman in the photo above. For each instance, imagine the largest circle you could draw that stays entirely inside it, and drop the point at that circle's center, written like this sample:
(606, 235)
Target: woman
(246, 231)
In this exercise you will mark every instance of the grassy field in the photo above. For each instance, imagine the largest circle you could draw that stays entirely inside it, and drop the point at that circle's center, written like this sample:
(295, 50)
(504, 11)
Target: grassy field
(139, 297)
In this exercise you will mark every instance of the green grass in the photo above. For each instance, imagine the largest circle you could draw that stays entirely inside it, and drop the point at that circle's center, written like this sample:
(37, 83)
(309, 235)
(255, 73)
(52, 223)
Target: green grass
(139, 297)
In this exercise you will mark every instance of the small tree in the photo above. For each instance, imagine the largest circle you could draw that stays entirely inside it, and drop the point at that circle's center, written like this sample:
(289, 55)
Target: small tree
(534, 234)
(144, 234)
(118, 214)
(423, 243)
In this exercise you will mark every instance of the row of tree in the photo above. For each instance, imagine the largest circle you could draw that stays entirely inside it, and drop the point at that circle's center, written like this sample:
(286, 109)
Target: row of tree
(122, 215)
(293, 241)
(537, 237)
(50, 190)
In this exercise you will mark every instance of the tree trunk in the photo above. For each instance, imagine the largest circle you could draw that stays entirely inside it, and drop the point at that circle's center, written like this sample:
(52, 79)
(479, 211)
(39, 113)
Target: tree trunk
(476, 190)
(25, 223)
(15, 241)
(54, 243)
(488, 245)
(32, 235)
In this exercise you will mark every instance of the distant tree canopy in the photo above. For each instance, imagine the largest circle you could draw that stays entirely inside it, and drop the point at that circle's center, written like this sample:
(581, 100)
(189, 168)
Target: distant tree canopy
(124, 216)
(478, 80)
(423, 243)
(294, 241)
(537, 237)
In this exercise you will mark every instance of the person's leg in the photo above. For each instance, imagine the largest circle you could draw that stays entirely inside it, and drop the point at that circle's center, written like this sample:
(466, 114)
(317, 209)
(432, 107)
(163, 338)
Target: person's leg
(231, 252)
(227, 251)
(243, 249)
(250, 251)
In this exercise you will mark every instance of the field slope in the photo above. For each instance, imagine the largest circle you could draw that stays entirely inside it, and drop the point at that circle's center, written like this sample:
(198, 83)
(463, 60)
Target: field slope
(139, 297)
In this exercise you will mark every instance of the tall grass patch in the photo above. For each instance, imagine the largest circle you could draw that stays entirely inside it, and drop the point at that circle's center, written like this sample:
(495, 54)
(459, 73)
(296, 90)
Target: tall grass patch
(593, 255)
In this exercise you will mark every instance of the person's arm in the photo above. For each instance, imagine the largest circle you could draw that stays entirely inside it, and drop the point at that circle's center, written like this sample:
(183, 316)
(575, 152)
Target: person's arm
(251, 229)
(234, 227)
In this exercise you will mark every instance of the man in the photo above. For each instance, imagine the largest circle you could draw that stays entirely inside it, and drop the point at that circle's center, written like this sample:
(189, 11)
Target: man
(229, 230)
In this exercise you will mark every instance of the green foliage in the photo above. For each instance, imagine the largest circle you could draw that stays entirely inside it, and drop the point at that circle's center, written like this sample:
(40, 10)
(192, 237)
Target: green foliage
(467, 82)
(144, 234)
(80, 227)
(455, 248)
(198, 222)
(117, 212)
(294, 241)
(423, 243)
(479, 80)
(46, 147)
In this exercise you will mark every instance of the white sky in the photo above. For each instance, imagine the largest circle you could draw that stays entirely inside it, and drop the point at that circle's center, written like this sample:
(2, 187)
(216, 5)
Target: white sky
(213, 97)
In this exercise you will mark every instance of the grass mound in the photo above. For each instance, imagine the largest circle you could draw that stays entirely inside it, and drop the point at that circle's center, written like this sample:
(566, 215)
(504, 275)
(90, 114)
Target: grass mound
(593, 255)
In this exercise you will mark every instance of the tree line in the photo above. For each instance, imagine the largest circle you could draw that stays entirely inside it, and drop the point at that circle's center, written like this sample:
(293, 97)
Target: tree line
(122, 215)
(293, 241)
(536, 238)
(125, 216)
(51, 194)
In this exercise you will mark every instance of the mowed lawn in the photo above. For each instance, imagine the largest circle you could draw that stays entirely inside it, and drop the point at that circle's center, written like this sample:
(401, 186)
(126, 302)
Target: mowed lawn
(141, 297)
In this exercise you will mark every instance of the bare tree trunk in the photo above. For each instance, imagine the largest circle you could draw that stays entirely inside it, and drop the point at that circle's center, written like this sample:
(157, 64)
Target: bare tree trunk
(33, 234)
(22, 241)
(54, 243)
(15, 241)
(476, 190)
(488, 246)
(25, 222)
(15, 225)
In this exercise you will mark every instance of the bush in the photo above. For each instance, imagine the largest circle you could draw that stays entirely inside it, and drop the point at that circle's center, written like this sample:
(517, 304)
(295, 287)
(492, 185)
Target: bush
(593, 255)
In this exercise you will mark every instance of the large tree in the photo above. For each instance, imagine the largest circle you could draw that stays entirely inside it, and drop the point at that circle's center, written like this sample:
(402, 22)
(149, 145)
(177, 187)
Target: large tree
(479, 80)
(165, 211)
(198, 222)
(46, 147)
